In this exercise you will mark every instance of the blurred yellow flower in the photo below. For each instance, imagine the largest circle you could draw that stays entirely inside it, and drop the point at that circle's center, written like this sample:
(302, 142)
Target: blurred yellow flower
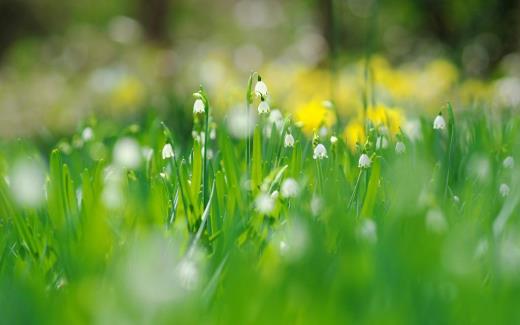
(354, 133)
(129, 92)
(313, 115)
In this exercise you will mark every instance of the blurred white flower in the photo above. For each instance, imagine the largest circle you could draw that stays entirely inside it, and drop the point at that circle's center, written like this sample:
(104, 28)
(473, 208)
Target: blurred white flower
(400, 147)
(167, 151)
(260, 88)
(327, 104)
(112, 196)
(188, 274)
(27, 181)
(198, 106)
(412, 128)
(456, 199)
(320, 152)
(292, 240)
(504, 189)
(364, 161)
(333, 139)
(213, 133)
(276, 118)
(368, 231)
(87, 134)
(439, 123)
(508, 162)
(263, 107)
(289, 188)
(127, 153)
(275, 195)
(288, 140)
(264, 203)
(435, 221)
(323, 131)
(316, 205)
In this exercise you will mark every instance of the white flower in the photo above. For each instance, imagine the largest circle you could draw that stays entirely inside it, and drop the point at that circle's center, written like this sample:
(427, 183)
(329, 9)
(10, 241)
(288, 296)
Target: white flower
(439, 123)
(509, 162)
(263, 107)
(412, 129)
(320, 152)
(327, 104)
(198, 106)
(213, 134)
(167, 151)
(87, 134)
(504, 189)
(400, 147)
(456, 199)
(260, 88)
(368, 231)
(264, 203)
(275, 195)
(288, 141)
(316, 205)
(436, 222)
(289, 188)
(27, 183)
(127, 153)
(381, 142)
(276, 118)
(240, 123)
(188, 274)
(364, 161)
(323, 131)
(333, 139)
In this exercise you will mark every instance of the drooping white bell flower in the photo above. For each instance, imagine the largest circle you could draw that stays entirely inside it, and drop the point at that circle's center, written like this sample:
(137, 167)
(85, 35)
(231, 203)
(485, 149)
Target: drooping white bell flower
(260, 88)
(439, 123)
(320, 152)
(264, 203)
(167, 151)
(127, 153)
(364, 161)
(288, 141)
(198, 106)
(289, 188)
(87, 134)
(504, 189)
(508, 162)
(263, 107)
(400, 147)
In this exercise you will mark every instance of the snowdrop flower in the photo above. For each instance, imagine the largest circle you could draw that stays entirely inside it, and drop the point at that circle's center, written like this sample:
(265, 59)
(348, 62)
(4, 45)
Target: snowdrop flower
(198, 106)
(167, 151)
(87, 134)
(260, 88)
(264, 203)
(333, 139)
(323, 131)
(504, 189)
(275, 195)
(276, 118)
(289, 188)
(188, 274)
(381, 143)
(320, 152)
(509, 162)
(368, 231)
(240, 123)
(127, 153)
(436, 222)
(439, 123)
(400, 147)
(263, 107)
(27, 183)
(412, 129)
(364, 161)
(288, 141)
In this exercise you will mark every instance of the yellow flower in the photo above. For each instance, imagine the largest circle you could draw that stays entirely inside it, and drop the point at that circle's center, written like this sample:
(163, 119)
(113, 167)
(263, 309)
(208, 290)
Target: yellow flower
(128, 93)
(313, 115)
(382, 115)
(354, 133)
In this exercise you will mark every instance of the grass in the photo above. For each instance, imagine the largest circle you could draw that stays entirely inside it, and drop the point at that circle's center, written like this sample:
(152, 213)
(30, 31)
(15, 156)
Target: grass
(208, 235)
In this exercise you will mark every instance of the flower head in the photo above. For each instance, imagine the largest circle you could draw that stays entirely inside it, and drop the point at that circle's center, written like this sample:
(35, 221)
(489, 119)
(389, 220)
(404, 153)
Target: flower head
(504, 189)
(198, 106)
(167, 151)
(439, 123)
(364, 161)
(400, 147)
(289, 188)
(508, 162)
(381, 142)
(264, 203)
(288, 141)
(320, 152)
(260, 88)
(87, 134)
(127, 153)
(263, 107)
(333, 139)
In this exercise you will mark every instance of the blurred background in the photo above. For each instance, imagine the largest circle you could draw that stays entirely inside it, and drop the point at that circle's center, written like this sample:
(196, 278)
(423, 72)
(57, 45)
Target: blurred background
(63, 62)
